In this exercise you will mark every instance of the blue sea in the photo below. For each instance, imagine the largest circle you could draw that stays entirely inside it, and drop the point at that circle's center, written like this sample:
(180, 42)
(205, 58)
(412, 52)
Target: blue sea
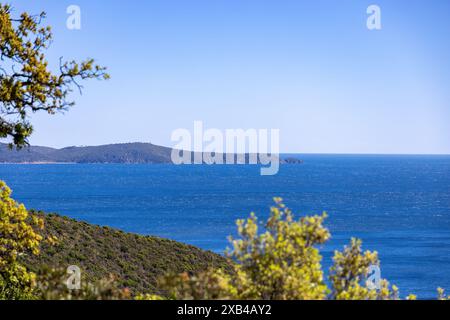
(398, 205)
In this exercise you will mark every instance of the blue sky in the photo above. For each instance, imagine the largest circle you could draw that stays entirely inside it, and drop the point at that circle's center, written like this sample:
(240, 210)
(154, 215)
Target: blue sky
(310, 68)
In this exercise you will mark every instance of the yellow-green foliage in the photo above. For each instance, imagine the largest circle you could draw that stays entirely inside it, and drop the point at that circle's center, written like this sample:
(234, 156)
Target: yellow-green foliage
(26, 82)
(18, 236)
(348, 275)
(282, 261)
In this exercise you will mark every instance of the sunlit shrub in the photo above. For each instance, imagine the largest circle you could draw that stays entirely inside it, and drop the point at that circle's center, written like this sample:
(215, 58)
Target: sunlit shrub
(18, 236)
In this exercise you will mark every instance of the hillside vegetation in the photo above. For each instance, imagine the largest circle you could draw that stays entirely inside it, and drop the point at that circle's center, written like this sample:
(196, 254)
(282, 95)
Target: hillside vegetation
(136, 261)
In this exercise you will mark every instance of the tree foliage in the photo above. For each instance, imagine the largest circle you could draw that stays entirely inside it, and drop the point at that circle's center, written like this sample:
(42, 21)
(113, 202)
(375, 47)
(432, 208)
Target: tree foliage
(18, 235)
(282, 261)
(27, 84)
(349, 272)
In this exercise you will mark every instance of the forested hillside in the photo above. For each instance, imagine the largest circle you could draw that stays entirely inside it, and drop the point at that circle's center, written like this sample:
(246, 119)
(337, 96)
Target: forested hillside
(136, 261)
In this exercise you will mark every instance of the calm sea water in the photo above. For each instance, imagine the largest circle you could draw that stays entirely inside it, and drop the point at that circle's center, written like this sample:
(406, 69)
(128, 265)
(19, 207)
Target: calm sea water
(398, 205)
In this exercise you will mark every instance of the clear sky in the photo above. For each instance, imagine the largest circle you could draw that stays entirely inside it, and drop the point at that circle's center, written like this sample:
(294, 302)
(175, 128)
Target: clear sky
(310, 68)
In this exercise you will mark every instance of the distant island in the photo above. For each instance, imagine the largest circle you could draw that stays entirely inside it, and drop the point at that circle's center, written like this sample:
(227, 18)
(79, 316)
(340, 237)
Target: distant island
(129, 153)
